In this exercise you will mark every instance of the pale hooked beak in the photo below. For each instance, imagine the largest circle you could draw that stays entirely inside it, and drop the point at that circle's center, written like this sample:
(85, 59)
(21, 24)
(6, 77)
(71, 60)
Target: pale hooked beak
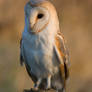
(32, 22)
(32, 25)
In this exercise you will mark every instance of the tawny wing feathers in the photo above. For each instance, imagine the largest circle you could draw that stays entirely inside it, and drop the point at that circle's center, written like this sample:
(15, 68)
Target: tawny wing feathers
(62, 54)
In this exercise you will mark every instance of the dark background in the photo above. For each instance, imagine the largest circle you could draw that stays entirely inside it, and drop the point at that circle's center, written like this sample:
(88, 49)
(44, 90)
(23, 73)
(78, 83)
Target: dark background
(76, 24)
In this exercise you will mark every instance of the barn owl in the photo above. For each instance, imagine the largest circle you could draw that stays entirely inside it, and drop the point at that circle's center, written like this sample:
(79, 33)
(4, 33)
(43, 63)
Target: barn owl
(42, 47)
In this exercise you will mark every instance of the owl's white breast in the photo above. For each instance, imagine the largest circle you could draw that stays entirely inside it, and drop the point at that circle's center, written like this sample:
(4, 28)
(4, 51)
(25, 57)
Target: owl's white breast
(40, 41)
(39, 52)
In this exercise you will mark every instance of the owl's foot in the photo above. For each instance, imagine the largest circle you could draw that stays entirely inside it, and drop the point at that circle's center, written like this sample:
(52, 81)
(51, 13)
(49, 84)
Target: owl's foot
(33, 90)
(48, 86)
(36, 86)
(61, 90)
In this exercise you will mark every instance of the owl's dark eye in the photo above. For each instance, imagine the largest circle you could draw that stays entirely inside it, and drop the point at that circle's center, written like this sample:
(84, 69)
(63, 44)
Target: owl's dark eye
(40, 16)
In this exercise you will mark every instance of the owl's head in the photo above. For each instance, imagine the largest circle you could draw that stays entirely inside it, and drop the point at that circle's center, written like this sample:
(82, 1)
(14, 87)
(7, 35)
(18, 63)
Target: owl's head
(39, 16)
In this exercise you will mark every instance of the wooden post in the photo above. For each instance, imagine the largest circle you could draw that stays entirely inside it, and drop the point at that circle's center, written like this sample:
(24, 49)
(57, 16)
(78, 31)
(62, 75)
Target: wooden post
(51, 90)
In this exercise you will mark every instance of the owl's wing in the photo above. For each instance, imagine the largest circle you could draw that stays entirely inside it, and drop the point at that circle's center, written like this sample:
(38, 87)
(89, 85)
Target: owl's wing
(62, 54)
(28, 68)
(22, 60)
(21, 53)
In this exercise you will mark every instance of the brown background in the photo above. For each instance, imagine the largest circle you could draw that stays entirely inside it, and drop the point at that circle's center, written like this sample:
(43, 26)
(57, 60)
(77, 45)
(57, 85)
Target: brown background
(76, 24)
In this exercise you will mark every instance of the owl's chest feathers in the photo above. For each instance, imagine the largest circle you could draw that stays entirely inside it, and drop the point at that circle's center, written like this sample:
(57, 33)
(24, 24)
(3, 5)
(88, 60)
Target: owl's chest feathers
(39, 52)
(39, 43)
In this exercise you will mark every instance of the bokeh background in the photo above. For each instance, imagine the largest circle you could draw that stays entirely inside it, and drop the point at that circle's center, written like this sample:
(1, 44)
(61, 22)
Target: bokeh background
(76, 24)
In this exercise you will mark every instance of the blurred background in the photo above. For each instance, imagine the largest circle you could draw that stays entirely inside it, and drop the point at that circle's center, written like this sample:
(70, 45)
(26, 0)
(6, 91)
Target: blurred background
(76, 24)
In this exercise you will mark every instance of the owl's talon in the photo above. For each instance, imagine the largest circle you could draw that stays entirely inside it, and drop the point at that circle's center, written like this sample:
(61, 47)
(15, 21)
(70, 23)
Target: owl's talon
(34, 90)
(36, 86)
(48, 88)
(48, 82)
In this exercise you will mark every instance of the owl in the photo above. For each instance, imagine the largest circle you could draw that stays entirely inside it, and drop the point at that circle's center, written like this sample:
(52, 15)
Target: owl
(42, 47)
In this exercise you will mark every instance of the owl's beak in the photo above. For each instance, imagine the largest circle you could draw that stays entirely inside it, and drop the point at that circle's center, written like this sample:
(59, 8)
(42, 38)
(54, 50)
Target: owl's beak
(32, 25)
(32, 28)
